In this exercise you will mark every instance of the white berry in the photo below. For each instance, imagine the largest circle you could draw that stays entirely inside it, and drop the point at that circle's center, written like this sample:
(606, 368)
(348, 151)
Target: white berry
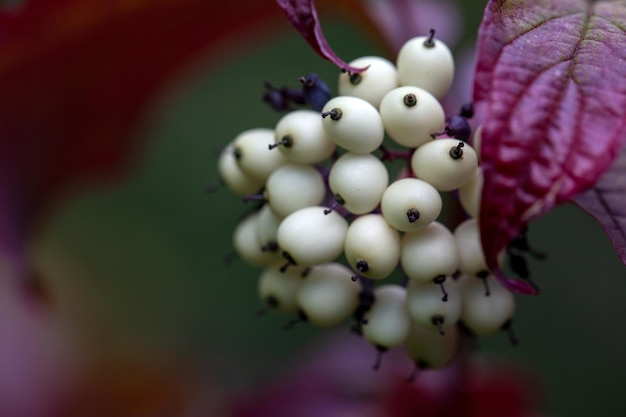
(251, 150)
(410, 204)
(294, 186)
(237, 181)
(387, 323)
(470, 194)
(410, 115)
(471, 257)
(267, 227)
(487, 305)
(430, 349)
(359, 180)
(446, 164)
(312, 237)
(372, 246)
(247, 245)
(429, 253)
(278, 289)
(426, 305)
(301, 138)
(477, 139)
(327, 295)
(371, 85)
(426, 65)
(353, 123)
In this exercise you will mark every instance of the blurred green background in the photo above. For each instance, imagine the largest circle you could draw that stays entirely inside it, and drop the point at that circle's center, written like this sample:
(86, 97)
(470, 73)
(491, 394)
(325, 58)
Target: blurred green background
(140, 263)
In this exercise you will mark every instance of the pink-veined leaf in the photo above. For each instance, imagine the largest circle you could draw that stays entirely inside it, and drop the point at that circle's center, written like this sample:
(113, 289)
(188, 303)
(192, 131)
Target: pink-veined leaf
(302, 14)
(605, 202)
(550, 90)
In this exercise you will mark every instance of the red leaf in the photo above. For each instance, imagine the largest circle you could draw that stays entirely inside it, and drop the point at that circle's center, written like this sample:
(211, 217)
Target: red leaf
(550, 89)
(605, 202)
(303, 16)
(75, 77)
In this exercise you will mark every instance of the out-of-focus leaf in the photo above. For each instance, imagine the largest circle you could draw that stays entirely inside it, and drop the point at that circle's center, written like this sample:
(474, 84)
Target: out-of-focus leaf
(400, 20)
(605, 202)
(302, 14)
(336, 380)
(75, 77)
(550, 90)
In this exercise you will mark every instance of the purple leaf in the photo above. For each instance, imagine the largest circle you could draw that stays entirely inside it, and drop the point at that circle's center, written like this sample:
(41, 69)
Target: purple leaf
(605, 202)
(303, 16)
(550, 90)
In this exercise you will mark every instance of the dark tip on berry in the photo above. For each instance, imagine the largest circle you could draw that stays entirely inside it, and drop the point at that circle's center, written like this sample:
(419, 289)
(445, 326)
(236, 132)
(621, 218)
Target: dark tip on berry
(361, 266)
(414, 373)
(419, 366)
(237, 153)
(508, 327)
(290, 262)
(271, 303)
(430, 42)
(334, 114)
(271, 246)
(339, 201)
(438, 320)
(286, 141)
(379, 357)
(456, 152)
(410, 100)
(287, 256)
(412, 214)
(439, 280)
(301, 318)
(355, 78)
(483, 276)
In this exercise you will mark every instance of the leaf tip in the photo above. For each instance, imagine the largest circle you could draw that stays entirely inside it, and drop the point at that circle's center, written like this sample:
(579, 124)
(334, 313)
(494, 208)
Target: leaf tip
(518, 286)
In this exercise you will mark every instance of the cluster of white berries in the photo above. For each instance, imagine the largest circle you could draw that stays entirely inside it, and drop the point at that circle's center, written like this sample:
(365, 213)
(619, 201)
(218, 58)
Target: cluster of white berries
(326, 195)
